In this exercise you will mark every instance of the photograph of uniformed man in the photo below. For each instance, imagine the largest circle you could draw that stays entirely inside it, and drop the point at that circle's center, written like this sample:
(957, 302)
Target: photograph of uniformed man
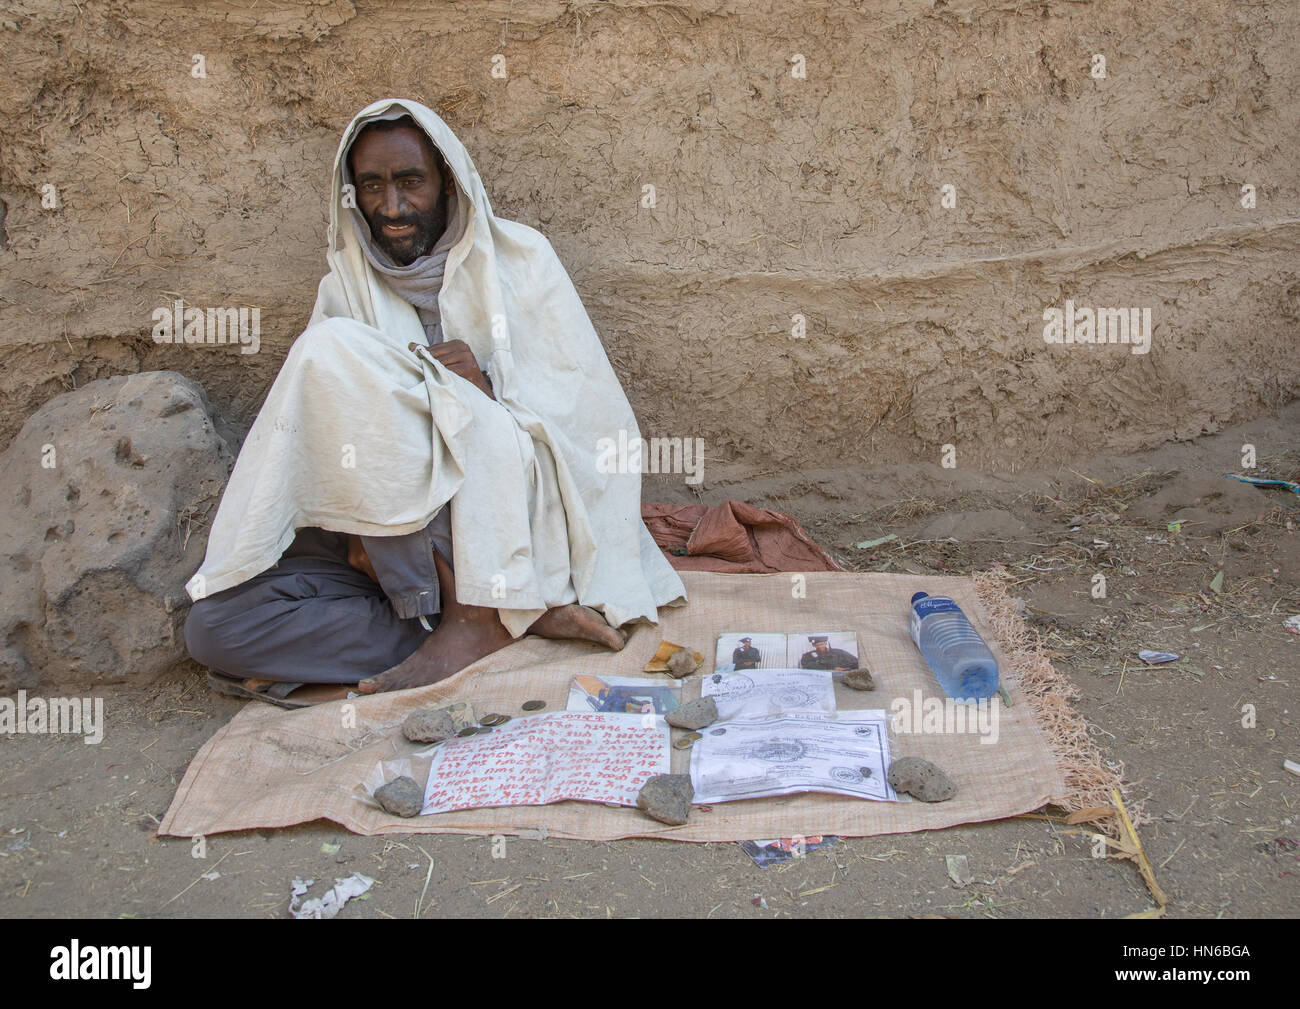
(827, 652)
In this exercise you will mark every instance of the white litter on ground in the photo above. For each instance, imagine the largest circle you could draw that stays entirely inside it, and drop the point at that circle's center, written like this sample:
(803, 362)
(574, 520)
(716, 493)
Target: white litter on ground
(332, 902)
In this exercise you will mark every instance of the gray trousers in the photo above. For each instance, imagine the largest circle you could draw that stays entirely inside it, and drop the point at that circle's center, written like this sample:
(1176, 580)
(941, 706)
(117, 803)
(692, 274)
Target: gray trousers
(313, 618)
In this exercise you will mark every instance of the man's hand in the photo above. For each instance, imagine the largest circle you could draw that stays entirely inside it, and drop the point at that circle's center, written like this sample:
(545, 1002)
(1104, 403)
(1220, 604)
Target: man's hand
(455, 355)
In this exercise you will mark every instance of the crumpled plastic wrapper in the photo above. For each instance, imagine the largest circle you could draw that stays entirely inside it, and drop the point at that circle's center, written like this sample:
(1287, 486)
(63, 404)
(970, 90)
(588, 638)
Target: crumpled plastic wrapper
(415, 767)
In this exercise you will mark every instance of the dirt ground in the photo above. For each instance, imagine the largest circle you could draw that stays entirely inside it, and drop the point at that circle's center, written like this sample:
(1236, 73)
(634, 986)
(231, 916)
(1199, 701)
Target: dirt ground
(78, 823)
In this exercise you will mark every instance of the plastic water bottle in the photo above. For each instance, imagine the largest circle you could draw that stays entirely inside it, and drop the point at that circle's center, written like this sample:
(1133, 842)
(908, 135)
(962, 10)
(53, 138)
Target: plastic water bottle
(954, 650)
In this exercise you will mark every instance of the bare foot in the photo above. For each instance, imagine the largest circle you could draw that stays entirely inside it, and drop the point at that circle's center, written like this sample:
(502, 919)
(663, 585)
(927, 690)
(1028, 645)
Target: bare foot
(466, 633)
(582, 623)
(457, 641)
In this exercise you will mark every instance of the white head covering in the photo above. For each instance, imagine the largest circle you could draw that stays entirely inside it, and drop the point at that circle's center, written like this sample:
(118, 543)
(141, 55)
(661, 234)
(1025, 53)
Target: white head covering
(420, 281)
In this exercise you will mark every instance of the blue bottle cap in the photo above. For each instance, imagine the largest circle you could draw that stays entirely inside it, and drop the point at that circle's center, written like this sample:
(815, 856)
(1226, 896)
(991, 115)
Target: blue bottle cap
(919, 595)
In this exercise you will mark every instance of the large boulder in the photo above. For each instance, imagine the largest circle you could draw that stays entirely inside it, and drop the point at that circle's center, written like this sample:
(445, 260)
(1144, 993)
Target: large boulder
(108, 495)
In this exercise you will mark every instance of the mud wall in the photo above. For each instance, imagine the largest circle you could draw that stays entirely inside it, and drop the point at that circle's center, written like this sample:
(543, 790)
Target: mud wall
(798, 153)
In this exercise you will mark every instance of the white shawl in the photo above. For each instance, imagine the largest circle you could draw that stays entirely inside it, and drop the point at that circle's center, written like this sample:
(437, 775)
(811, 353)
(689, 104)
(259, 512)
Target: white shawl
(360, 435)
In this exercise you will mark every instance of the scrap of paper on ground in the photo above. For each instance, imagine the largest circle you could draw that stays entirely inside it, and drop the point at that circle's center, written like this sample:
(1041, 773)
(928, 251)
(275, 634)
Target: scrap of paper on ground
(778, 850)
(587, 756)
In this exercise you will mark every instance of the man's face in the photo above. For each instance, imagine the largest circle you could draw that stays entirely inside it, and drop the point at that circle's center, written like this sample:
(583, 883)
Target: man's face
(399, 191)
(822, 647)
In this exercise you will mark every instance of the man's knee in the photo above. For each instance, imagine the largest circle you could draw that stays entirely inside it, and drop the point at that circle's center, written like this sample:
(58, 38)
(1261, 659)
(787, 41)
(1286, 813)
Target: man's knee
(201, 639)
(334, 338)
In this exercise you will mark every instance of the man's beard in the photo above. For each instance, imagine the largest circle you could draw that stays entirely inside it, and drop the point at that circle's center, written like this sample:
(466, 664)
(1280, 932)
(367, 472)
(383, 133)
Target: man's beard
(428, 229)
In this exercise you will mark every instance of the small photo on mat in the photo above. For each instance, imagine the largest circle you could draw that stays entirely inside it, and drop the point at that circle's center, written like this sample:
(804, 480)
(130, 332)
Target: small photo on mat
(624, 695)
(741, 650)
(823, 650)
